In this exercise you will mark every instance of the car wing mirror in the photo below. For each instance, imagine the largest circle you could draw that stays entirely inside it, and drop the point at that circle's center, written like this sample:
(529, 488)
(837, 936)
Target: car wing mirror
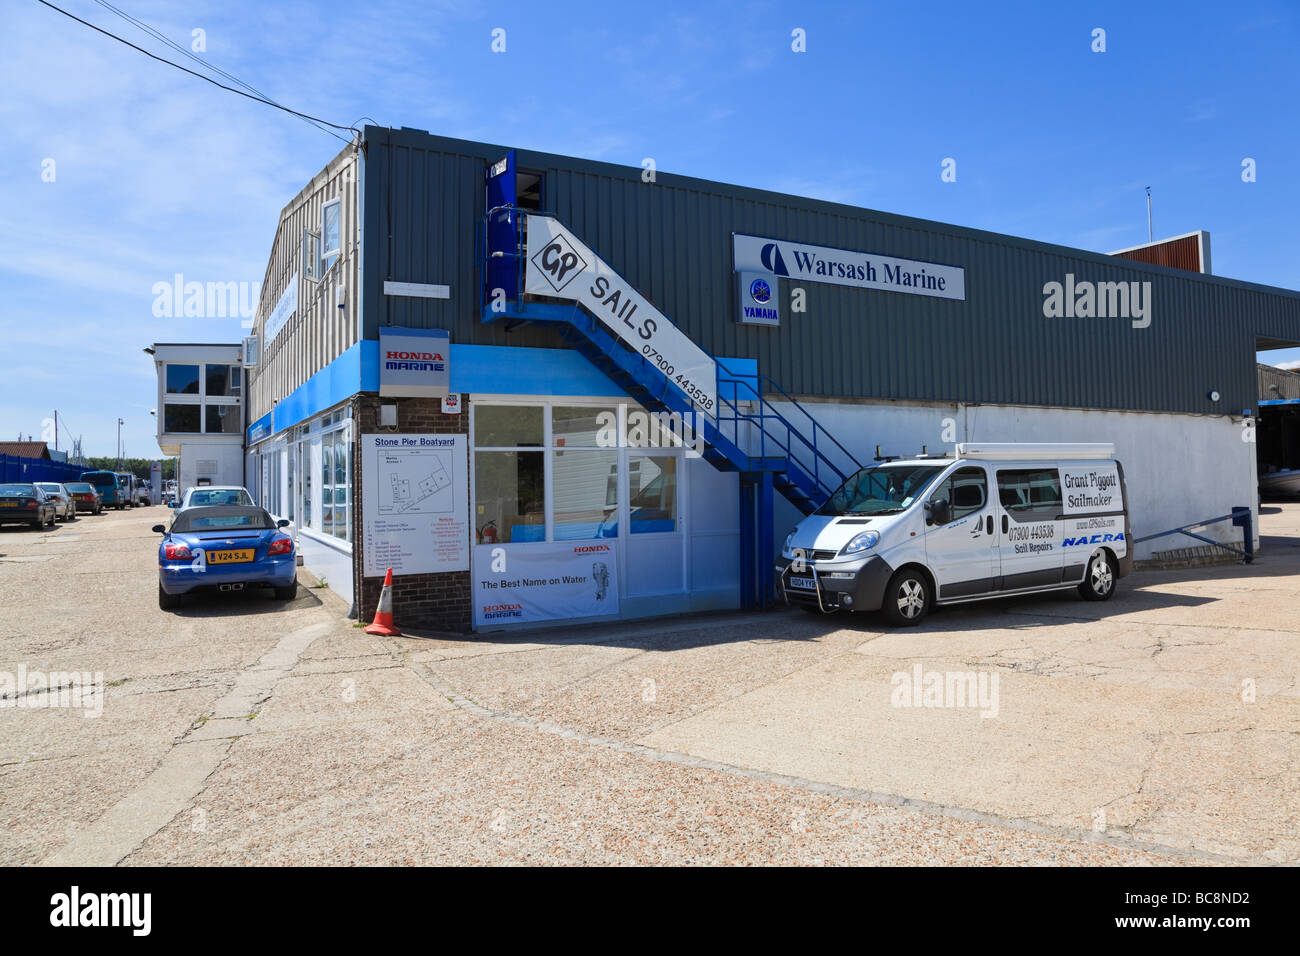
(159, 529)
(282, 523)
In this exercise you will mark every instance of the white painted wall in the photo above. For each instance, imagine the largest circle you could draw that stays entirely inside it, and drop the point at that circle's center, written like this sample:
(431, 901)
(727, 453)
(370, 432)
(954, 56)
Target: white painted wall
(1179, 468)
(225, 452)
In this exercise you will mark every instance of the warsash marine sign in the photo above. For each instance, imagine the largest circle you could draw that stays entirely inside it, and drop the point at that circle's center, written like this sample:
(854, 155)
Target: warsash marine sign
(560, 266)
(414, 362)
(861, 270)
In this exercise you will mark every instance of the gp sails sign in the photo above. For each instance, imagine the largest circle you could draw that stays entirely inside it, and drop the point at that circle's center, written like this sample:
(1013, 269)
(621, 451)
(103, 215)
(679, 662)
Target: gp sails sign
(861, 270)
(561, 266)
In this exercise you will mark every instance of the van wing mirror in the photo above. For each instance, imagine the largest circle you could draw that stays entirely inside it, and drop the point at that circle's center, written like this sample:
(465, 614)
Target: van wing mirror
(937, 511)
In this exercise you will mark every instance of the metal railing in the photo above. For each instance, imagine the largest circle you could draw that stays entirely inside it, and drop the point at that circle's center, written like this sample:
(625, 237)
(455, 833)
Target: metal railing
(1240, 517)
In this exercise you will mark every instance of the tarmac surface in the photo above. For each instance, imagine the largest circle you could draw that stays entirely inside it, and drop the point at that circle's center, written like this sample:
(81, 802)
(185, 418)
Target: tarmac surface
(1162, 727)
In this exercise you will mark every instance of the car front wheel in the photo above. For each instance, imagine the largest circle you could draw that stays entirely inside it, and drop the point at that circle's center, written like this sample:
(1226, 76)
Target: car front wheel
(1099, 580)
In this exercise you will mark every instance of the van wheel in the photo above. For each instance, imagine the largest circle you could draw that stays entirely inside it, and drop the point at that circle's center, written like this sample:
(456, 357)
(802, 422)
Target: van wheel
(907, 598)
(1099, 580)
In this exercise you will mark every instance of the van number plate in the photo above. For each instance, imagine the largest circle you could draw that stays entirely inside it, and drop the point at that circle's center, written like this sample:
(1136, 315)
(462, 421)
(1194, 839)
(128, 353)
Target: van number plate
(804, 584)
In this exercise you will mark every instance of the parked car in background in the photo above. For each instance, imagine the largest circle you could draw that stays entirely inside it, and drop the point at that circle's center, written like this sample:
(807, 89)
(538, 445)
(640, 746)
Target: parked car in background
(224, 548)
(109, 486)
(127, 482)
(85, 496)
(216, 495)
(22, 502)
(143, 492)
(65, 509)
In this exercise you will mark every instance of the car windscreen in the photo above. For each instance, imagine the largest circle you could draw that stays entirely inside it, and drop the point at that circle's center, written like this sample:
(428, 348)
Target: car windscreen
(80, 486)
(47, 487)
(197, 520)
(14, 490)
(101, 478)
(883, 489)
(218, 496)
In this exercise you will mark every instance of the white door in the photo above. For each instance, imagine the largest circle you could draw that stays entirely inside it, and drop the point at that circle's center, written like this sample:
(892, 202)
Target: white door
(963, 552)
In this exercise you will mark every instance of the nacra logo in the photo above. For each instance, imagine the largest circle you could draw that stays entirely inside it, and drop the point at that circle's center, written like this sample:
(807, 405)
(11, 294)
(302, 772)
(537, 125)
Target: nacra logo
(1095, 539)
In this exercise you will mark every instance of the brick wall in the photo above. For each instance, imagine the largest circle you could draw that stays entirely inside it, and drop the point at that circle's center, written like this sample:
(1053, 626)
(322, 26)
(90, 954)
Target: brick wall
(441, 601)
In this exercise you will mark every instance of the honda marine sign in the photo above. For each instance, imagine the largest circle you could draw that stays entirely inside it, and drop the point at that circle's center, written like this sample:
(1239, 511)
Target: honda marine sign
(413, 363)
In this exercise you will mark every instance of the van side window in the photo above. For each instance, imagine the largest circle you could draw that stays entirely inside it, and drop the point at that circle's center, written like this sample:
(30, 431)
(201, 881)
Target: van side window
(1030, 494)
(966, 491)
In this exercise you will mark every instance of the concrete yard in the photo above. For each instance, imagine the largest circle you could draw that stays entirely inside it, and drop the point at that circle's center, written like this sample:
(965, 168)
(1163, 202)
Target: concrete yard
(1161, 727)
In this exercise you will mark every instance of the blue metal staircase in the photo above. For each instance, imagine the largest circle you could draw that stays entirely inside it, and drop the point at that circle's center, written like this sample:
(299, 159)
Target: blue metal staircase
(747, 433)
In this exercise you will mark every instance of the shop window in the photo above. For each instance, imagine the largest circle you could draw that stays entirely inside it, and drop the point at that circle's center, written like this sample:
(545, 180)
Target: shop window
(182, 379)
(180, 419)
(509, 490)
(327, 485)
(506, 426)
(584, 427)
(581, 504)
(653, 487)
(1030, 494)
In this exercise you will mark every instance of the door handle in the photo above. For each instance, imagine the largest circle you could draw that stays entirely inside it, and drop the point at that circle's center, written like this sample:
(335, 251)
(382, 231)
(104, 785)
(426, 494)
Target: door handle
(1006, 524)
(989, 522)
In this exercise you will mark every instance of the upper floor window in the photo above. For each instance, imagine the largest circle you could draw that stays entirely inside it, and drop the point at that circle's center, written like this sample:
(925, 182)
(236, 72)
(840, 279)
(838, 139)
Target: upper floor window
(330, 235)
(182, 379)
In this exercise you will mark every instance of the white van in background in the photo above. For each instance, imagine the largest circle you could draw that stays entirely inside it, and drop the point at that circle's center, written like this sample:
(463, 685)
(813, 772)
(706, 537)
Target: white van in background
(996, 520)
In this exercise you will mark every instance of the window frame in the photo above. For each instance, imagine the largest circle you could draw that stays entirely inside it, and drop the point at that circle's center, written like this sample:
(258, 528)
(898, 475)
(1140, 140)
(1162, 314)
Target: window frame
(336, 253)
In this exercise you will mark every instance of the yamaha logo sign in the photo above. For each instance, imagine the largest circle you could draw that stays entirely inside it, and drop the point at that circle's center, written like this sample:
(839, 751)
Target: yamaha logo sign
(559, 262)
(758, 302)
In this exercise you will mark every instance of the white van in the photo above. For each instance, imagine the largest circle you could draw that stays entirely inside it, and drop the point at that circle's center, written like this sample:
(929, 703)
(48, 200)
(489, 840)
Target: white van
(996, 520)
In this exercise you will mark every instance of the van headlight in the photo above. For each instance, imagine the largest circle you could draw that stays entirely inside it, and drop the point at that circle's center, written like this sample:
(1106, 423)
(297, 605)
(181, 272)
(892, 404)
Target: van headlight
(864, 541)
(789, 538)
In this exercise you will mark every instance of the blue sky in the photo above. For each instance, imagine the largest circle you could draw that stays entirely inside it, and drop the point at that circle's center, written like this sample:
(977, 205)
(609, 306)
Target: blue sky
(157, 173)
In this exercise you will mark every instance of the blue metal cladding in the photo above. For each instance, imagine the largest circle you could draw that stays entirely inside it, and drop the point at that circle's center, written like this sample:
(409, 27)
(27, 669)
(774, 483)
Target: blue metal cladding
(424, 200)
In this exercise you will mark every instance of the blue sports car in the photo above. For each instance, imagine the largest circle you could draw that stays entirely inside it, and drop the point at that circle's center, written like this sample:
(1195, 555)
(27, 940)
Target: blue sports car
(224, 548)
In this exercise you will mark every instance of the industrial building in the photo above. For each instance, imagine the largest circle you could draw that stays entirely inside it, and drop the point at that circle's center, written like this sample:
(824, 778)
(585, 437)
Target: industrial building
(542, 388)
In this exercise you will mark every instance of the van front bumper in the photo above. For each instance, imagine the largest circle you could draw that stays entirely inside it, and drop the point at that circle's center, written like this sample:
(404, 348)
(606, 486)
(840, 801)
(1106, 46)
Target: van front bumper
(844, 586)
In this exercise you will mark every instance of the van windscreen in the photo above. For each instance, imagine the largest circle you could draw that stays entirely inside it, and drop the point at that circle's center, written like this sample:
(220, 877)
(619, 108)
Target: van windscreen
(883, 489)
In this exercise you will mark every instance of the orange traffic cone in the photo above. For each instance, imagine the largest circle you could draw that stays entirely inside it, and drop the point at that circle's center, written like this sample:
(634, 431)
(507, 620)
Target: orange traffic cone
(384, 613)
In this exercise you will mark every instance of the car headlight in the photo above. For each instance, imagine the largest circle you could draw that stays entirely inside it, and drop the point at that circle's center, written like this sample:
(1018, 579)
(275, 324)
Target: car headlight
(864, 541)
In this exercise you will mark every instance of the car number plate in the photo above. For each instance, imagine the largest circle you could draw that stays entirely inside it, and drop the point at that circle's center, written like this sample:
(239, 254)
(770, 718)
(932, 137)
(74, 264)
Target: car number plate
(806, 584)
(230, 557)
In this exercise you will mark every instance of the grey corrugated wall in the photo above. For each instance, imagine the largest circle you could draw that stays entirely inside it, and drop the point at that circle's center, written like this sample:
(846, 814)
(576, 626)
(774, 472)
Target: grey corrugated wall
(672, 240)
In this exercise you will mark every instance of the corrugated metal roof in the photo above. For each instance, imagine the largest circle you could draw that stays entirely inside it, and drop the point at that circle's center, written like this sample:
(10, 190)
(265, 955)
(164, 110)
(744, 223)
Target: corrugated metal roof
(672, 239)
